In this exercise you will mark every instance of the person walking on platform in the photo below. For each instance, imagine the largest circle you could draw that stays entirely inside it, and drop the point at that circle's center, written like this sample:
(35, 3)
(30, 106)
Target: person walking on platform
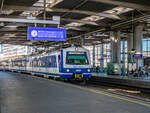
(135, 74)
(97, 69)
(146, 71)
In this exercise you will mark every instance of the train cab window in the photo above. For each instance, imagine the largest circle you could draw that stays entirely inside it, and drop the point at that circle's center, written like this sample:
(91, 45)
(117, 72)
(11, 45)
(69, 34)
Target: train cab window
(76, 59)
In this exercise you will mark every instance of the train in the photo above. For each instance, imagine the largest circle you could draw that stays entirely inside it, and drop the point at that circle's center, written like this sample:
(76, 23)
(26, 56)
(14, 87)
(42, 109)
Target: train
(67, 63)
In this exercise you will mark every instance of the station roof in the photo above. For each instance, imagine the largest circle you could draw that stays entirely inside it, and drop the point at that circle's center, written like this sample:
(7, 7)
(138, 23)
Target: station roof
(86, 21)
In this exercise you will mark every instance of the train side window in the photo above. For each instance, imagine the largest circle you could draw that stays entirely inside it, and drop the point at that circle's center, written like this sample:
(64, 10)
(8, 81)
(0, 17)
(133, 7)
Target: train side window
(59, 59)
(23, 63)
(34, 63)
(16, 63)
(19, 63)
(39, 63)
(54, 61)
(50, 61)
(31, 64)
(43, 61)
(46, 61)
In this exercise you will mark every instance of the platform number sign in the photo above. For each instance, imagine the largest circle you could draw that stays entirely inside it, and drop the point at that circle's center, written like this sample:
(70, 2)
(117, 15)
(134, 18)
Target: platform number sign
(137, 56)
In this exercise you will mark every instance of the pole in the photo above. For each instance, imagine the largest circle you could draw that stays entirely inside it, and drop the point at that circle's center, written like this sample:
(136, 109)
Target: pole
(93, 55)
(123, 58)
(44, 15)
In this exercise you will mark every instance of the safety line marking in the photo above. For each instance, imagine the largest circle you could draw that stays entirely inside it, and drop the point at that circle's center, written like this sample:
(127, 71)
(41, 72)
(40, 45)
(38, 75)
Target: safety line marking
(97, 92)
(118, 97)
(103, 93)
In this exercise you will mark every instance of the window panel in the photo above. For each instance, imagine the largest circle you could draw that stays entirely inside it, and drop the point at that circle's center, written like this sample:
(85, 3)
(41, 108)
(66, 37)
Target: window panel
(146, 47)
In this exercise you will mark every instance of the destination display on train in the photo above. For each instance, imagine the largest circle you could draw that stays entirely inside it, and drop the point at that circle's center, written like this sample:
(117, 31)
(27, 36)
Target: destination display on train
(42, 33)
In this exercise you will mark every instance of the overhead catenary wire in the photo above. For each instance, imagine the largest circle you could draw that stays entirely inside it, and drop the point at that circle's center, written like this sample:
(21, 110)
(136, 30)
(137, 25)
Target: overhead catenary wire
(2, 4)
(44, 14)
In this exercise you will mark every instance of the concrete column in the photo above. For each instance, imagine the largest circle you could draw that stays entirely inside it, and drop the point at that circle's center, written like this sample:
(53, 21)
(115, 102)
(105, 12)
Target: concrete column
(130, 46)
(138, 36)
(82, 41)
(137, 43)
(130, 42)
(123, 59)
(112, 37)
(118, 47)
(102, 56)
(115, 44)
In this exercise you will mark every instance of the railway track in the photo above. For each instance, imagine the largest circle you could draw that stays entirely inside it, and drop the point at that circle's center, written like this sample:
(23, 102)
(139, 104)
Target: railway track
(122, 90)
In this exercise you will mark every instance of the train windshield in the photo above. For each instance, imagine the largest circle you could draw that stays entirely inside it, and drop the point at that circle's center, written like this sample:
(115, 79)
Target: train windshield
(77, 59)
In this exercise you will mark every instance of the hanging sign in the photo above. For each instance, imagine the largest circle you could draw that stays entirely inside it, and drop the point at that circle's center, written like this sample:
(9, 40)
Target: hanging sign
(138, 56)
(42, 33)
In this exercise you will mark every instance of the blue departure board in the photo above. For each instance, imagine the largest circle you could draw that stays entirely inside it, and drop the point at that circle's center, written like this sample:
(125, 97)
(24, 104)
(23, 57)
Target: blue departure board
(42, 33)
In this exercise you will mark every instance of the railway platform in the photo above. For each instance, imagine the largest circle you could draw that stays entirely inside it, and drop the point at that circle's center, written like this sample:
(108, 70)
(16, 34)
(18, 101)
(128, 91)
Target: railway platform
(21, 93)
(139, 82)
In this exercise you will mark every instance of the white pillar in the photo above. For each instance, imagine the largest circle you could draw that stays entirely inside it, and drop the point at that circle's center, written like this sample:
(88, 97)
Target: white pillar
(102, 56)
(118, 47)
(137, 43)
(130, 42)
(138, 36)
(93, 55)
(115, 44)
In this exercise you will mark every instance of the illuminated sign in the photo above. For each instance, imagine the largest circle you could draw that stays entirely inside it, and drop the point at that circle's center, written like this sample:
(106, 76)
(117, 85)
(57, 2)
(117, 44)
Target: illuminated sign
(42, 33)
(137, 56)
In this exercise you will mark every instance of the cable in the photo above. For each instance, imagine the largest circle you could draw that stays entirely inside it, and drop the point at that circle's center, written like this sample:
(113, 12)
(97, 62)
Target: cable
(79, 5)
(2, 4)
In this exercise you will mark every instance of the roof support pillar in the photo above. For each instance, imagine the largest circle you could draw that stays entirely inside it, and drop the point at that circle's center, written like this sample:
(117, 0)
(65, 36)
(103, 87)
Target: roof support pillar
(137, 43)
(115, 43)
(93, 55)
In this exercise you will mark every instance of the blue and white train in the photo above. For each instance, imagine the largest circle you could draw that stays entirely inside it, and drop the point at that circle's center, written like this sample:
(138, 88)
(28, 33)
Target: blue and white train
(68, 63)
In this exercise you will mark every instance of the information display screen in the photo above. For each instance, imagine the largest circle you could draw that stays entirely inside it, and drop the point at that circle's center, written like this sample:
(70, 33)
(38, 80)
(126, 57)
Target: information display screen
(42, 33)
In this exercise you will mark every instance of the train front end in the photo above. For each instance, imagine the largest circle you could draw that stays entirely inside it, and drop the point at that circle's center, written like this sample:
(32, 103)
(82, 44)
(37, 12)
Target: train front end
(75, 63)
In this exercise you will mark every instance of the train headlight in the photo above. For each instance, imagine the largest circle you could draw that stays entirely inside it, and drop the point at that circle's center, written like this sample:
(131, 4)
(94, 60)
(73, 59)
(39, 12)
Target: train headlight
(88, 70)
(68, 70)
